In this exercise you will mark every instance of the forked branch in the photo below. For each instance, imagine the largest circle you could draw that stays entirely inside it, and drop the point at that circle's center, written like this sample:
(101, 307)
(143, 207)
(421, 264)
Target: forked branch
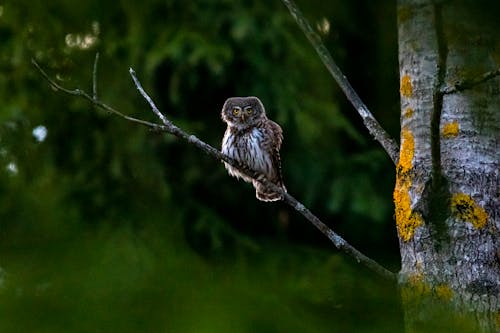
(369, 120)
(169, 127)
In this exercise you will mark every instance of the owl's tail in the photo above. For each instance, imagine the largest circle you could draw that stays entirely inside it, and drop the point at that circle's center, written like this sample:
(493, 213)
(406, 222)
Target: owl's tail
(265, 194)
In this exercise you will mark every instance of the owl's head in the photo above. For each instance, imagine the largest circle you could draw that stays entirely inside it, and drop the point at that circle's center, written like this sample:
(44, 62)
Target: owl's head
(243, 112)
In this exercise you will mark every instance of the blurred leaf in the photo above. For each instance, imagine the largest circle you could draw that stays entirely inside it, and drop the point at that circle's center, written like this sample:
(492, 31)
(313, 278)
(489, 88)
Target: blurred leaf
(106, 226)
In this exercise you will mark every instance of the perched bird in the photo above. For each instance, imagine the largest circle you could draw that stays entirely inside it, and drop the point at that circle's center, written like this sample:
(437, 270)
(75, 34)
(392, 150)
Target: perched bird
(254, 140)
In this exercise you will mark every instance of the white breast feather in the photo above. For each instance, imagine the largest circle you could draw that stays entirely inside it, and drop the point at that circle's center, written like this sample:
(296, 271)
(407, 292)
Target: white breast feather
(247, 148)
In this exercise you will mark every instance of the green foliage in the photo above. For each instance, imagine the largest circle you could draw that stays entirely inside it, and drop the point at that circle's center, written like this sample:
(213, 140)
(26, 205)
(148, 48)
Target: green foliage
(129, 281)
(107, 226)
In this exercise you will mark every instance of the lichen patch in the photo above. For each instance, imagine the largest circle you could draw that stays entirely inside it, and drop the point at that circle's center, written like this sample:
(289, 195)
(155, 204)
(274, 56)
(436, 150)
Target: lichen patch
(406, 88)
(408, 113)
(407, 151)
(464, 208)
(406, 219)
(450, 130)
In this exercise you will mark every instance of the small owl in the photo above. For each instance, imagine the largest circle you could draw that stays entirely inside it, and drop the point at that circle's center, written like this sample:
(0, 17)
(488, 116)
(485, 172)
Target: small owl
(251, 138)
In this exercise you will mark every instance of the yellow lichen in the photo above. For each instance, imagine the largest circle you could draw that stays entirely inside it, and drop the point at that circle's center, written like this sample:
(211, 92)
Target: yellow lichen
(408, 113)
(443, 292)
(450, 129)
(415, 287)
(466, 209)
(406, 88)
(406, 219)
(407, 151)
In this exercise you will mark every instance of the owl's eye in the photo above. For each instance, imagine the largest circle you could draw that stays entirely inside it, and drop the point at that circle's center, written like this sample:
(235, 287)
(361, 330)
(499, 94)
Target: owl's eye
(236, 111)
(249, 110)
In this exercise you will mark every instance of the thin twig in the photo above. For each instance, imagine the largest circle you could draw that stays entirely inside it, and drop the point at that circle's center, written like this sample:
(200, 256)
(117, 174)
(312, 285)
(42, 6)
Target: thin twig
(83, 94)
(169, 127)
(160, 115)
(94, 77)
(369, 120)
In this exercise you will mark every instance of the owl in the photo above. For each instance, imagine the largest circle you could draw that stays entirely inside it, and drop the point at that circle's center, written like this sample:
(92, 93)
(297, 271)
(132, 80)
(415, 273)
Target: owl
(253, 139)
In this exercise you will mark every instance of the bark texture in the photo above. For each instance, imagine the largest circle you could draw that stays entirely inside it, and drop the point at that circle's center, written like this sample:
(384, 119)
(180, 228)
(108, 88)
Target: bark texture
(447, 189)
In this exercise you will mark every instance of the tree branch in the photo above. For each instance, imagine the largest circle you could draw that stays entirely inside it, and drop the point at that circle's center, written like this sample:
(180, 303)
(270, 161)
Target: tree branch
(469, 83)
(83, 94)
(169, 127)
(369, 120)
(94, 77)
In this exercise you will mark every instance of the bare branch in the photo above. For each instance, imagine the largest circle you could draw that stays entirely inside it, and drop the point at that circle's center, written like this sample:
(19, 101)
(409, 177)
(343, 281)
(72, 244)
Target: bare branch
(169, 127)
(83, 94)
(469, 83)
(337, 240)
(160, 115)
(94, 76)
(369, 120)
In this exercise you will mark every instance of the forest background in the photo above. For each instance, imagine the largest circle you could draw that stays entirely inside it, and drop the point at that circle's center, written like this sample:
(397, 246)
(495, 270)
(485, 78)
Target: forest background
(106, 226)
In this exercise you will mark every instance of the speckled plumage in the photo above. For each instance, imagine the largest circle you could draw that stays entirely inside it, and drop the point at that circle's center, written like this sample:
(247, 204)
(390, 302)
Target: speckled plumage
(253, 139)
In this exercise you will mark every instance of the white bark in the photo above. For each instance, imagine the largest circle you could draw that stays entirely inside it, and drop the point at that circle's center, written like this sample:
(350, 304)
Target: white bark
(449, 163)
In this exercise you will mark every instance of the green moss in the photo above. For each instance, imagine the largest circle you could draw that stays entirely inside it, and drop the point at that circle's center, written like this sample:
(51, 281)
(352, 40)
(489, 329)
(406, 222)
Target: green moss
(416, 288)
(444, 292)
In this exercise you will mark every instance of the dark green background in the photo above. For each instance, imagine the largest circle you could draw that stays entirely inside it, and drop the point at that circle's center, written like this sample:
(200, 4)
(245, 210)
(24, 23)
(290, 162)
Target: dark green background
(109, 227)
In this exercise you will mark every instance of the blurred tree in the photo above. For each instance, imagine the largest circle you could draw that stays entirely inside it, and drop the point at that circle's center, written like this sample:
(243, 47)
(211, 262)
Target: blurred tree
(105, 226)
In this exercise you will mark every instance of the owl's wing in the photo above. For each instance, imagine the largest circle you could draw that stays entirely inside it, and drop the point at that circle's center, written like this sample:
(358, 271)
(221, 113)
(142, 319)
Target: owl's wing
(277, 135)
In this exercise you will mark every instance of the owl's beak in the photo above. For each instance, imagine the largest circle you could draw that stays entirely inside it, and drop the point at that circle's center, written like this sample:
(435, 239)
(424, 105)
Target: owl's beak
(242, 116)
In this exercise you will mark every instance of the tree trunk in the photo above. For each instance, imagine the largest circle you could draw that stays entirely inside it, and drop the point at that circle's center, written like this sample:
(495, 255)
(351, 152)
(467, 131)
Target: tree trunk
(447, 188)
